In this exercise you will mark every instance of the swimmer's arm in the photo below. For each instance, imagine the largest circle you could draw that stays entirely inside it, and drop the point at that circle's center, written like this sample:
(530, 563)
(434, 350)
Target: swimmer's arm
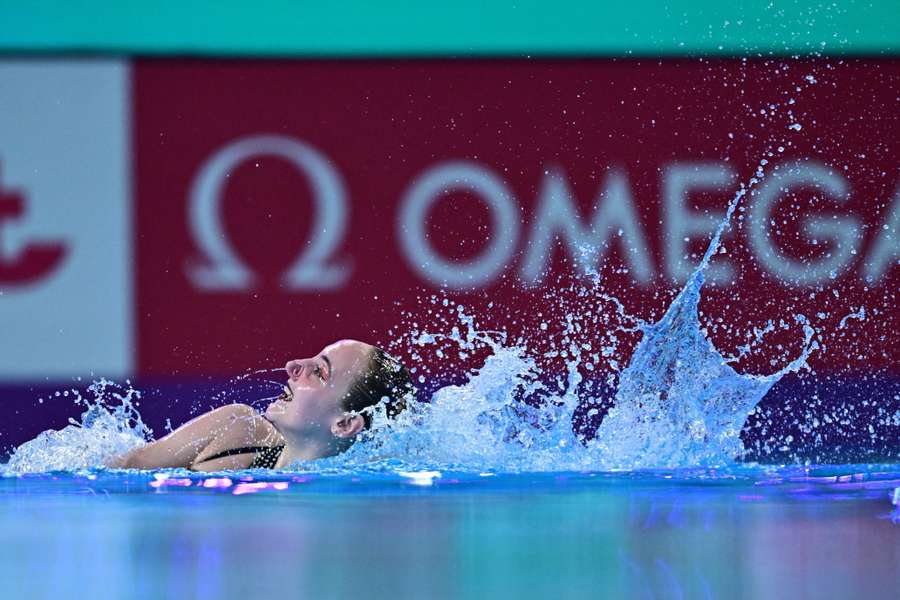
(229, 426)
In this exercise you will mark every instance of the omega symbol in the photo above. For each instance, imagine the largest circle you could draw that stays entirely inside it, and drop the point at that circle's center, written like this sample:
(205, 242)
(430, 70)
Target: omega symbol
(316, 267)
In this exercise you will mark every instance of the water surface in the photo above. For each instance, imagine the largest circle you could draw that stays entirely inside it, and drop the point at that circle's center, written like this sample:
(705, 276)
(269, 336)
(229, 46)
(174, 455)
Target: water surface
(740, 532)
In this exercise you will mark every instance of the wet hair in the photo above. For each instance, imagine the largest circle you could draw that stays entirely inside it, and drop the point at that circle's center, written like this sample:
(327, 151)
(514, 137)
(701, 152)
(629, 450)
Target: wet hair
(385, 379)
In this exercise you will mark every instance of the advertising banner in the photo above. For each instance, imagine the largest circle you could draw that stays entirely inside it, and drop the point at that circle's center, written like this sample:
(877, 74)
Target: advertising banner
(65, 220)
(283, 205)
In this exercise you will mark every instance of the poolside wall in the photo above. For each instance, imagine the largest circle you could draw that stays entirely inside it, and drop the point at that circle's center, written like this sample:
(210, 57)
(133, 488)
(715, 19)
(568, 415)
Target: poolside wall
(156, 210)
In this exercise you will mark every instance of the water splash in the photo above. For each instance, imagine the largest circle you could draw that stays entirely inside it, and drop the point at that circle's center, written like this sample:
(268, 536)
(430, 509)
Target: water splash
(678, 403)
(110, 426)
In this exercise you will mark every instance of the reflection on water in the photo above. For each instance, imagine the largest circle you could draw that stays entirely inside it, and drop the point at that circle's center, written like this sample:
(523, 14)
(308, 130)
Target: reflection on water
(554, 535)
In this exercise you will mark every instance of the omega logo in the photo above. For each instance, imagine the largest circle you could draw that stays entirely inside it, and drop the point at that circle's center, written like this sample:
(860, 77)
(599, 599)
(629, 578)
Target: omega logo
(556, 220)
(316, 267)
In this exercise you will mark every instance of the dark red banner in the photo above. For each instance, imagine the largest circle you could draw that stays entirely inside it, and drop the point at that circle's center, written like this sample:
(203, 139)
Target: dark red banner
(283, 205)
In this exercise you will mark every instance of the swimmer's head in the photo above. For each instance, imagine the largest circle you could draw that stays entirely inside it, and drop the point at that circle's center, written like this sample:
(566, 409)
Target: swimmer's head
(330, 397)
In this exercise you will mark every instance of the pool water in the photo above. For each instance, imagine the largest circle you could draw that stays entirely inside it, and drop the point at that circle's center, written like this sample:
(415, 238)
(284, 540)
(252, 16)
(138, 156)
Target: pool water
(382, 532)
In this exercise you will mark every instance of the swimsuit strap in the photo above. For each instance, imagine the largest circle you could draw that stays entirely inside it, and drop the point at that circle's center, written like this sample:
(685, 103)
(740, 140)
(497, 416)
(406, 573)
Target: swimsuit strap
(235, 451)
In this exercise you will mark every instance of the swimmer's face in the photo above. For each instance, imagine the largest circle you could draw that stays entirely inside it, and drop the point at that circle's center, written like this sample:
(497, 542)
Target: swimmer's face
(317, 385)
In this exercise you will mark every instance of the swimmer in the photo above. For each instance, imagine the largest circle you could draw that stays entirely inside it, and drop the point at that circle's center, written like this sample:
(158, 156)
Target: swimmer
(327, 401)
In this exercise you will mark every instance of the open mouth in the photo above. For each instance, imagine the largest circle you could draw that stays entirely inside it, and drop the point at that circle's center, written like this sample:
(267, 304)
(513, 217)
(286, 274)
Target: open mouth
(286, 394)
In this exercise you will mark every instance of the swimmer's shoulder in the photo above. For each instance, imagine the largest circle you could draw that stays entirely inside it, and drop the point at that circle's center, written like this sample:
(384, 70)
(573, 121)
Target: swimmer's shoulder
(242, 433)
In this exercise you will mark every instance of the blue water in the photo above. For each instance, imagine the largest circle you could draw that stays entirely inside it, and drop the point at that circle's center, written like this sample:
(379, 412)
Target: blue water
(383, 532)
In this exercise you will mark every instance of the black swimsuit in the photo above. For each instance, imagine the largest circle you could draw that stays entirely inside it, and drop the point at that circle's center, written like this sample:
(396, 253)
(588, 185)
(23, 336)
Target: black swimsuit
(266, 456)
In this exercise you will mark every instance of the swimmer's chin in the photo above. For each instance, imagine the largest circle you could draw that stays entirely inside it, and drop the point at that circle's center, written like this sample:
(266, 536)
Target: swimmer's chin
(278, 405)
(274, 409)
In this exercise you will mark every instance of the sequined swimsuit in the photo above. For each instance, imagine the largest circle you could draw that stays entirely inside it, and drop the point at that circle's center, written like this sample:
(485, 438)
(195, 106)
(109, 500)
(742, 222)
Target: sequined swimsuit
(266, 456)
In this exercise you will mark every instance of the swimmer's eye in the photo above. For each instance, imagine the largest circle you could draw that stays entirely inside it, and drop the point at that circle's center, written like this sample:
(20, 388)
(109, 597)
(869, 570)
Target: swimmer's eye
(319, 374)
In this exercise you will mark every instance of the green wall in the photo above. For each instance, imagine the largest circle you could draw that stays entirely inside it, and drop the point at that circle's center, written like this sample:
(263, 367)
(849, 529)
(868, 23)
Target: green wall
(455, 28)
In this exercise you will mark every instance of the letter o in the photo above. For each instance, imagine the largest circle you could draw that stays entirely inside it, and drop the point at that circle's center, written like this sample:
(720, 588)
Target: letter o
(427, 190)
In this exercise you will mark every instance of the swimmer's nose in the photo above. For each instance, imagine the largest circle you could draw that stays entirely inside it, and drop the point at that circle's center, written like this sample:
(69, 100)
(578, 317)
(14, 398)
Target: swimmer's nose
(294, 369)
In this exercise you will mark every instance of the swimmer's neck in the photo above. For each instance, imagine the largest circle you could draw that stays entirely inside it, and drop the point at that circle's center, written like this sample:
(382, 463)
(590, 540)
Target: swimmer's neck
(306, 450)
